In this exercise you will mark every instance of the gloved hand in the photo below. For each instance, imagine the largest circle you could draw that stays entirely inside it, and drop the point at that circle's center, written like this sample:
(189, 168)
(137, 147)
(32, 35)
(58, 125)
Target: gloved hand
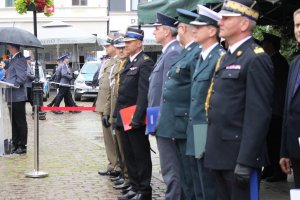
(135, 125)
(242, 175)
(105, 121)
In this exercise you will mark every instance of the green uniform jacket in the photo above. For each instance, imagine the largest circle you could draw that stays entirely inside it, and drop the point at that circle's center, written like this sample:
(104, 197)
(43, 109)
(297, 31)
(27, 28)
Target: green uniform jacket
(200, 84)
(176, 95)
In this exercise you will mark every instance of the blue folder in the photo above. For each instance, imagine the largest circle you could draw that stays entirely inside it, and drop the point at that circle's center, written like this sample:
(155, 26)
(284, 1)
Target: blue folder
(152, 117)
(254, 193)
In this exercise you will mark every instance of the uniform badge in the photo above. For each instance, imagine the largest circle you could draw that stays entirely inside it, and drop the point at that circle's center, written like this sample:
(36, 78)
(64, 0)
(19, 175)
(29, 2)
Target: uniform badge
(134, 60)
(239, 53)
(177, 70)
(233, 67)
(189, 48)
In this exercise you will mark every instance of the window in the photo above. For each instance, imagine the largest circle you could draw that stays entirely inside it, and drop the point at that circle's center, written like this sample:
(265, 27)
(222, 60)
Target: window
(134, 3)
(117, 5)
(79, 2)
(9, 3)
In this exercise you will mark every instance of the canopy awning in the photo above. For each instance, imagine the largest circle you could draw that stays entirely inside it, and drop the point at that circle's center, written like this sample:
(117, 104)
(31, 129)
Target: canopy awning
(276, 12)
(58, 32)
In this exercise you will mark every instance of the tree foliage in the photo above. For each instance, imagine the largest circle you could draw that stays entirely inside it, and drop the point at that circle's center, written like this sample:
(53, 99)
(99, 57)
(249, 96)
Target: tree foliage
(289, 47)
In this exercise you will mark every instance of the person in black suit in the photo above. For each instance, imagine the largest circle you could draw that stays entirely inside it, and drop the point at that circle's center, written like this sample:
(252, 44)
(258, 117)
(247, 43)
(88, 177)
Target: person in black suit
(133, 90)
(290, 149)
(239, 104)
(271, 45)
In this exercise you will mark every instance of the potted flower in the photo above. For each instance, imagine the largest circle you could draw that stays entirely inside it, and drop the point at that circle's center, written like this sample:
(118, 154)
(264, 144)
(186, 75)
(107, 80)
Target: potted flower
(46, 6)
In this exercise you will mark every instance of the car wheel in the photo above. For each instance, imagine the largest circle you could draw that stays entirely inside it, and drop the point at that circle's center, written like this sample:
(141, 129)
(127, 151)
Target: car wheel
(77, 96)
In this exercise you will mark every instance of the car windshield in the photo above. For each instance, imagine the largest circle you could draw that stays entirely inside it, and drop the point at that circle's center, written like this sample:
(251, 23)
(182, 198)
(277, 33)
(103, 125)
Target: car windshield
(89, 68)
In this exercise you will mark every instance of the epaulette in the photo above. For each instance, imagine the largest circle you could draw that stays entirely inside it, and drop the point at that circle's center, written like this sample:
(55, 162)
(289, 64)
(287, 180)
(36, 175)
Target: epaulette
(257, 49)
(146, 57)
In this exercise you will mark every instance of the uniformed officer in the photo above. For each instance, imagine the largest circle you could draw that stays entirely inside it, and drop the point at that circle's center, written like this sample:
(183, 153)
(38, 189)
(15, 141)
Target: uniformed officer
(271, 45)
(133, 90)
(16, 98)
(114, 79)
(205, 30)
(64, 77)
(103, 99)
(238, 104)
(175, 106)
(165, 33)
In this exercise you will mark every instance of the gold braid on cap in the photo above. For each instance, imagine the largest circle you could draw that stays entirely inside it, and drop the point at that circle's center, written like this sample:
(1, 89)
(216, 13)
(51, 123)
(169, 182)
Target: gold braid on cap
(246, 11)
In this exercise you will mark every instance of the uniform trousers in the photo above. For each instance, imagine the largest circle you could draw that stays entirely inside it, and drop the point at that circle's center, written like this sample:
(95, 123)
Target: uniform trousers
(227, 188)
(120, 153)
(296, 171)
(64, 92)
(138, 159)
(203, 180)
(186, 175)
(18, 123)
(170, 168)
(110, 148)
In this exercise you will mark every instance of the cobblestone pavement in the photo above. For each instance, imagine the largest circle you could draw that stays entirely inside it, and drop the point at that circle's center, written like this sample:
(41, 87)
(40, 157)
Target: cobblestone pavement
(72, 151)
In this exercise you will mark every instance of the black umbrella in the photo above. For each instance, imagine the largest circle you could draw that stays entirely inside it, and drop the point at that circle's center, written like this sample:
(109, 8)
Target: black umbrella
(19, 36)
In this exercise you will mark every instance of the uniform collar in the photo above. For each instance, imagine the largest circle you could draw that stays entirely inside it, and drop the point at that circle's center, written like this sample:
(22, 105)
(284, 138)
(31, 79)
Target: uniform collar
(234, 47)
(205, 53)
(167, 45)
(134, 56)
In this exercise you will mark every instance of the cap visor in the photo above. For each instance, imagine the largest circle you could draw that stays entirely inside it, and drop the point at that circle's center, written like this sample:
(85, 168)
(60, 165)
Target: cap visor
(157, 24)
(119, 45)
(229, 14)
(106, 44)
(129, 39)
(198, 23)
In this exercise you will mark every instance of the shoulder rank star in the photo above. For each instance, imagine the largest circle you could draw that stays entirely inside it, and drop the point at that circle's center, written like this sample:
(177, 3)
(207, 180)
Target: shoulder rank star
(258, 50)
(239, 53)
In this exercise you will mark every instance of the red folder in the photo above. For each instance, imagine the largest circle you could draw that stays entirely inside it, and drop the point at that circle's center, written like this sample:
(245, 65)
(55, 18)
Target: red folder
(126, 116)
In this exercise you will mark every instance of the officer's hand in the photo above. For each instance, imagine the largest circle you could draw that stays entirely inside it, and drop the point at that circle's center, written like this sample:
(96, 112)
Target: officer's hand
(242, 175)
(285, 164)
(105, 121)
(134, 125)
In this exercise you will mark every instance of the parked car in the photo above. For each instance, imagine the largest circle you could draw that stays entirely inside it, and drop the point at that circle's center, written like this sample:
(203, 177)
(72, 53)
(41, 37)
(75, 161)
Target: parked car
(44, 80)
(83, 82)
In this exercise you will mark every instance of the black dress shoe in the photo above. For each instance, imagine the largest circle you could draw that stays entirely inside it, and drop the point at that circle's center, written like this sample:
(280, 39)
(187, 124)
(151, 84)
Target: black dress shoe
(14, 149)
(127, 196)
(119, 182)
(124, 191)
(122, 186)
(109, 173)
(116, 178)
(21, 150)
(140, 196)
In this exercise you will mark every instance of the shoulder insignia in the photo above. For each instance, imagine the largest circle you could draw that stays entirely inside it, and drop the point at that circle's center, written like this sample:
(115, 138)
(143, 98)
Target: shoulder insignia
(258, 50)
(146, 57)
(239, 53)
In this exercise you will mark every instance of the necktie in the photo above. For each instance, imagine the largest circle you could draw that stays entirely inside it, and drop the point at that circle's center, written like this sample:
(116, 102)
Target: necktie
(297, 82)
(207, 102)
